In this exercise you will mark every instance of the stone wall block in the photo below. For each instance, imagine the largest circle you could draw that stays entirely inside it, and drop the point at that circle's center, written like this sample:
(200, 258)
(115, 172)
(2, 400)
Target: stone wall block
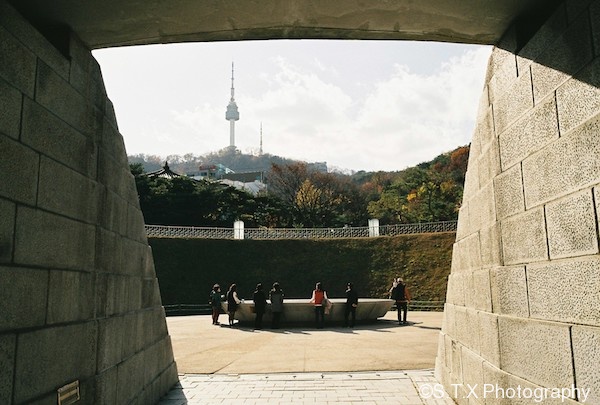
(456, 288)
(493, 376)
(488, 338)
(108, 251)
(46, 133)
(109, 111)
(133, 257)
(49, 358)
(516, 101)
(448, 352)
(586, 353)
(509, 291)
(157, 356)
(551, 366)
(566, 291)
(462, 327)
(547, 34)
(473, 374)
(113, 212)
(66, 192)
(17, 63)
(7, 367)
(48, 240)
(571, 223)
(151, 334)
(530, 134)
(106, 387)
(135, 224)
(579, 98)
(113, 144)
(508, 190)
(10, 113)
(506, 382)
(485, 126)
(110, 342)
(113, 175)
(111, 294)
(169, 378)
(70, 296)
(568, 54)
(19, 168)
(481, 292)
(23, 298)
(57, 95)
(130, 378)
(150, 293)
(471, 179)
(456, 371)
(549, 174)
(448, 319)
(462, 227)
(134, 293)
(440, 358)
(469, 251)
(489, 165)
(483, 207)
(149, 270)
(12, 21)
(524, 237)
(7, 226)
(85, 73)
(491, 249)
(502, 71)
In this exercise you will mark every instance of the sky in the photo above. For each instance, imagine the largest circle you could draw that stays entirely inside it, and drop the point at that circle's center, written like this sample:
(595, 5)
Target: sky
(357, 105)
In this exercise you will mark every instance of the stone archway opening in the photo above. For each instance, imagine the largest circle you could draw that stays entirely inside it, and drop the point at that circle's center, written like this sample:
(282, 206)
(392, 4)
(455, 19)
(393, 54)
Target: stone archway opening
(528, 222)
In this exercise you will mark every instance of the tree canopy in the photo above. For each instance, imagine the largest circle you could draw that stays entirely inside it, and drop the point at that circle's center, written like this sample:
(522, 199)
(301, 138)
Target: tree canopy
(299, 195)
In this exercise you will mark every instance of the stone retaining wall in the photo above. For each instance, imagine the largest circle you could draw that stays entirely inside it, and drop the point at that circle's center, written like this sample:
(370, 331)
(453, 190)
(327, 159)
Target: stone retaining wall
(524, 292)
(79, 297)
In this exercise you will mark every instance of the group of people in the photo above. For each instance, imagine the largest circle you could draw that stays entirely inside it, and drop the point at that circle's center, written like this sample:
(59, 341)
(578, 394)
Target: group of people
(319, 299)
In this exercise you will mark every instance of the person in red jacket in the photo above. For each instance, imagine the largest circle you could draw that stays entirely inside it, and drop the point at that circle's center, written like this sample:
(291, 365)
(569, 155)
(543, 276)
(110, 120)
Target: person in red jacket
(319, 299)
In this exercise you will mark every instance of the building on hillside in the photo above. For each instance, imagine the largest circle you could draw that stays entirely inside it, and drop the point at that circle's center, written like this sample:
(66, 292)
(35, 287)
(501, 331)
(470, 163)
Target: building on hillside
(210, 172)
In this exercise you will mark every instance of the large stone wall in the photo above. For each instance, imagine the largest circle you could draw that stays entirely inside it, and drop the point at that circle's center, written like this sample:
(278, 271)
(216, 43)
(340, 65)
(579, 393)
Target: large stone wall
(79, 298)
(523, 303)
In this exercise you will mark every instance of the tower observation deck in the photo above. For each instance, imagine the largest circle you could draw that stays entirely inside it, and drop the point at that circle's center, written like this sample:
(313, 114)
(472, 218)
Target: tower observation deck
(232, 114)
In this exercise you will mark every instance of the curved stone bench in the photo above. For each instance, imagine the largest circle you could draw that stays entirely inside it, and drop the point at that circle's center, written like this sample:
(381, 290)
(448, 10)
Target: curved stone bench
(302, 311)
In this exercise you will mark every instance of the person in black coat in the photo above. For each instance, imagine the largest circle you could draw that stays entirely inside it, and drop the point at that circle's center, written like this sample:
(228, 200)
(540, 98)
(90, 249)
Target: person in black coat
(351, 304)
(260, 305)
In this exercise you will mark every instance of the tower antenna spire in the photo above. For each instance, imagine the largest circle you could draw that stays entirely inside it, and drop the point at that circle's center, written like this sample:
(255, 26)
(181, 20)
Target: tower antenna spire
(232, 88)
(232, 114)
(260, 151)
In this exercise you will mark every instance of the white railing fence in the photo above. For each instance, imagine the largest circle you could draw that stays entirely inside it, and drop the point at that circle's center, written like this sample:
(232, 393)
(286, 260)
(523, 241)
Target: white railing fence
(162, 231)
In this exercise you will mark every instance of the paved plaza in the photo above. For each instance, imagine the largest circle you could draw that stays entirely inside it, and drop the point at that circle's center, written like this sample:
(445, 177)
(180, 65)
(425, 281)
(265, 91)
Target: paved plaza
(376, 363)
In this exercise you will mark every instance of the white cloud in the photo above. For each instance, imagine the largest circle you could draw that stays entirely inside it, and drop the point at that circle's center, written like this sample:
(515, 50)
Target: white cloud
(311, 108)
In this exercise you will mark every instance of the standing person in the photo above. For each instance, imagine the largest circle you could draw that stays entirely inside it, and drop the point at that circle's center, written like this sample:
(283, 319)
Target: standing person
(351, 304)
(260, 305)
(402, 296)
(232, 302)
(215, 303)
(394, 285)
(319, 295)
(276, 297)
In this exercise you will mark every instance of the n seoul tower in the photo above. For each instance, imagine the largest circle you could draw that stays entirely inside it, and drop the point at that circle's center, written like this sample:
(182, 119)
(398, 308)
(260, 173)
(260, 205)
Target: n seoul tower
(232, 114)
